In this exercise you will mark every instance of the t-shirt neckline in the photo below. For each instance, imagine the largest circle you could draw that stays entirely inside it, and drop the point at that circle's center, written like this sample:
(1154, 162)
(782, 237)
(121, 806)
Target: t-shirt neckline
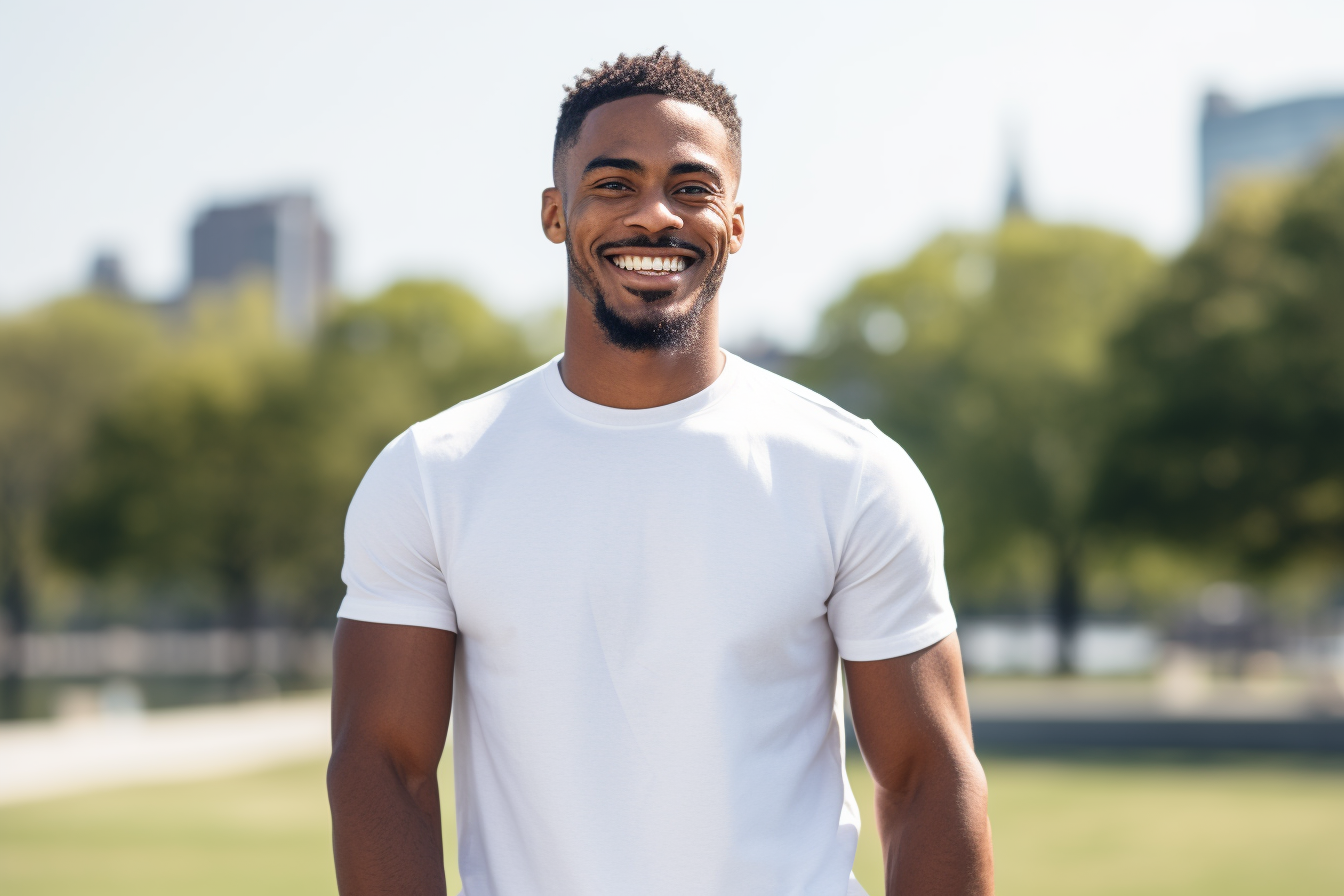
(626, 417)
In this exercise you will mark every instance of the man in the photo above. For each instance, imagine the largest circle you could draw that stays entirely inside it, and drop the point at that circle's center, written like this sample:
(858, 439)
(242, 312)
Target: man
(633, 573)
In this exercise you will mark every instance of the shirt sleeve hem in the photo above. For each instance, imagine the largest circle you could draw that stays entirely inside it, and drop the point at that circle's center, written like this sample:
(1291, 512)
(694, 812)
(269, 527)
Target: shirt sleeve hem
(926, 635)
(363, 609)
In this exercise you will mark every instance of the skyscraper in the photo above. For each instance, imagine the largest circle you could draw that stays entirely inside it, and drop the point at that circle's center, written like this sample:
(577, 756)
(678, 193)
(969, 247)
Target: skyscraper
(1268, 140)
(282, 238)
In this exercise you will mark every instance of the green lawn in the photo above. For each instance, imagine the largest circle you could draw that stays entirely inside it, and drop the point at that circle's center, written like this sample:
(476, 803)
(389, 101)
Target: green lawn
(1059, 827)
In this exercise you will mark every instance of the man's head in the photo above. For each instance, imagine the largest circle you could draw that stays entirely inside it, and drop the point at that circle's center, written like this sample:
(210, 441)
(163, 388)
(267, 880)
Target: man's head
(646, 163)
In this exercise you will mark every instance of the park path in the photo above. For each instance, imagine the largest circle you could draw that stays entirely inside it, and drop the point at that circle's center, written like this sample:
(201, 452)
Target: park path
(44, 759)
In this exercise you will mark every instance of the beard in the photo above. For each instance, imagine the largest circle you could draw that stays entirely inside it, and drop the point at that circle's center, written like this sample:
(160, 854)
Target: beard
(665, 331)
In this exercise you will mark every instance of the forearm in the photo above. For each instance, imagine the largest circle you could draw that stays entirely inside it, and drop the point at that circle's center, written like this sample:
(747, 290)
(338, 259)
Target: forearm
(387, 833)
(935, 833)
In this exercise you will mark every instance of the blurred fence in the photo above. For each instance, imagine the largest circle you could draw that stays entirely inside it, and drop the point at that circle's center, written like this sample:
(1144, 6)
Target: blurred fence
(1030, 646)
(140, 653)
(993, 646)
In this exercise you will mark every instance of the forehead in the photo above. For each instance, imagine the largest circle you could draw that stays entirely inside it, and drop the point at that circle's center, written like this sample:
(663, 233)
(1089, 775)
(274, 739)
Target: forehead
(652, 130)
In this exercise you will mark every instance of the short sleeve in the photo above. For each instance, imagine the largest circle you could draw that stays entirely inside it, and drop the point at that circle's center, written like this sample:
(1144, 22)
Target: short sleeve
(890, 596)
(392, 571)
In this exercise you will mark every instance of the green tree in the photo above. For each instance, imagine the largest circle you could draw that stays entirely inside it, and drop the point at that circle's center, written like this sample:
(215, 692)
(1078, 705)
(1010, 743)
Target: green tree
(60, 367)
(195, 477)
(1233, 439)
(232, 469)
(986, 357)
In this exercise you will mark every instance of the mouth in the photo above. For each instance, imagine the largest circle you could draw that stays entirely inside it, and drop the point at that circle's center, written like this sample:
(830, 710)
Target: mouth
(652, 263)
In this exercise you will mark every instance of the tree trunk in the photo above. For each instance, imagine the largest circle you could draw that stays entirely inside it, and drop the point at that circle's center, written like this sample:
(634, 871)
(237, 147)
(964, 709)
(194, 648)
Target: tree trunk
(14, 606)
(1067, 607)
(241, 611)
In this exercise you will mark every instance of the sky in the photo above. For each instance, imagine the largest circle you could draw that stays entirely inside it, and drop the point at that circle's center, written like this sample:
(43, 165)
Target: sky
(425, 128)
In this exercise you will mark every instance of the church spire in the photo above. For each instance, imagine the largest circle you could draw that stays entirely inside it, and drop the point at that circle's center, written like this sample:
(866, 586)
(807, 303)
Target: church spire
(1015, 196)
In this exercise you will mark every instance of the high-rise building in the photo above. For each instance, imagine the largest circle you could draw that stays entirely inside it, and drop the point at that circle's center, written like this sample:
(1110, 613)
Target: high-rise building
(1278, 139)
(282, 238)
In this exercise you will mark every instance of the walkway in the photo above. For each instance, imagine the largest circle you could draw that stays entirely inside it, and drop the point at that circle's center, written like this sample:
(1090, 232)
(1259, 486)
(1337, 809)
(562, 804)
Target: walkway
(44, 759)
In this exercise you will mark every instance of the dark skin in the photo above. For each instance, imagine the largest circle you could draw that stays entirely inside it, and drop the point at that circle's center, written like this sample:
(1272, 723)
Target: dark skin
(644, 169)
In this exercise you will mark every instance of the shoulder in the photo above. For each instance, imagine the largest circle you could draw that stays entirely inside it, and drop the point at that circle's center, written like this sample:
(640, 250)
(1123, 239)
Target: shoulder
(811, 415)
(452, 433)
(884, 467)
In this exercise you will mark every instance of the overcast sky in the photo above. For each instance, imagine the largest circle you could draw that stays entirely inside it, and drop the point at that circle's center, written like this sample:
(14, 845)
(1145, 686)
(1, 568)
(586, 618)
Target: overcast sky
(426, 127)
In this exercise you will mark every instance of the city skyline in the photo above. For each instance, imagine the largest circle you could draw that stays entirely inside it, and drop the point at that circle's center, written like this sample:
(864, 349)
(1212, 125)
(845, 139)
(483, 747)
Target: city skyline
(387, 112)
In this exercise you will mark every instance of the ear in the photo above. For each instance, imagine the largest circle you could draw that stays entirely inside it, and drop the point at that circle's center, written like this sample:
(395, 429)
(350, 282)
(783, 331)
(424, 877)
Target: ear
(553, 214)
(738, 228)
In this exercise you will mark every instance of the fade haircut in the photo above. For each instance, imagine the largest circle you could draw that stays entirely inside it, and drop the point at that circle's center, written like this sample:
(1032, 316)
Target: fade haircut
(659, 74)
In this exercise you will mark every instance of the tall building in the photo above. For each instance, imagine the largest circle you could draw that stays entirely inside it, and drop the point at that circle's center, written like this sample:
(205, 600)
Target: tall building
(282, 238)
(1268, 140)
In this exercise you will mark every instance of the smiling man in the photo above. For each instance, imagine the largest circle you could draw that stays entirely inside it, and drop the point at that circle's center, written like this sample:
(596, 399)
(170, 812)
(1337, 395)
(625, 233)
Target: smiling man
(634, 574)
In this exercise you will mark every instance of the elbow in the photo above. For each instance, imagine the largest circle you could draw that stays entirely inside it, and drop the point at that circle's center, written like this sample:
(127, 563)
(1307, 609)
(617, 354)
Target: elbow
(949, 769)
(356, 763)
(341, 769)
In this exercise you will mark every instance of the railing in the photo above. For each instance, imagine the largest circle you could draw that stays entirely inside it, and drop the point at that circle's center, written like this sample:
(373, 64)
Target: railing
(135, 652)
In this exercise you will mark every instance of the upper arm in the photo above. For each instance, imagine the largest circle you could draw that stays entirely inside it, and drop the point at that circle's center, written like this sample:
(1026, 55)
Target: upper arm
(910, 712)
(890, 594)
(396, 636)
(393, 571)
(392, 692)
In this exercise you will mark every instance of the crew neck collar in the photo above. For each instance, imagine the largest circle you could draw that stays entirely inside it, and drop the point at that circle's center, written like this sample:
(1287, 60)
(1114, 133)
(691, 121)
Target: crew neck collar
(627, 417)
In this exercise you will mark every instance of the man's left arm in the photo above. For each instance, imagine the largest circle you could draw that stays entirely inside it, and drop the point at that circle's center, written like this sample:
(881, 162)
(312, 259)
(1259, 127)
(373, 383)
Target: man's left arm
(914, 728)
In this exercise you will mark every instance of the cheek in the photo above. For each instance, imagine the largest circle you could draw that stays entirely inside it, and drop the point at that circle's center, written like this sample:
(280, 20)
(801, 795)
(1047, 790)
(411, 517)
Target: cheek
(586, 218)
(717, 224)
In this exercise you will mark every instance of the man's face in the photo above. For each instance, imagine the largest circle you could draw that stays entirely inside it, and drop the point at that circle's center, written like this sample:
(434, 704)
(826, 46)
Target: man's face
(645, 202)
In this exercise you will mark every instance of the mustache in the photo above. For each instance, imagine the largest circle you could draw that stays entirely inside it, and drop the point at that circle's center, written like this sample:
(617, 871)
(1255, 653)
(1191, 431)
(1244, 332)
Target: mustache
(643, 242)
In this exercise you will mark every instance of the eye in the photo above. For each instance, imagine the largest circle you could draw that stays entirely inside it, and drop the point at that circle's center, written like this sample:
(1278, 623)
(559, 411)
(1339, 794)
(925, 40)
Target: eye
(694, 190)
(613, 185)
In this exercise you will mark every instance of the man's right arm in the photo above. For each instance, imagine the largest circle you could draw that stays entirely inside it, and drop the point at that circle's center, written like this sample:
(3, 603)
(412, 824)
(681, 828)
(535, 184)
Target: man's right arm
(390, 704)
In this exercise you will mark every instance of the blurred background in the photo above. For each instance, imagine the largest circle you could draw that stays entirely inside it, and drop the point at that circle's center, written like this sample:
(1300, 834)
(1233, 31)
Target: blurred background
(1084, 261)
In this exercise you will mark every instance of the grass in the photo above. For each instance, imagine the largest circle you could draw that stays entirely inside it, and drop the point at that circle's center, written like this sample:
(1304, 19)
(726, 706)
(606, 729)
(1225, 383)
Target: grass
(1075, 827)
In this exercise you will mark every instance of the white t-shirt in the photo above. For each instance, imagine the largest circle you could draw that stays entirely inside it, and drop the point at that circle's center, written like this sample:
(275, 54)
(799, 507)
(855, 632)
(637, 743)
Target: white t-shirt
(650, 607)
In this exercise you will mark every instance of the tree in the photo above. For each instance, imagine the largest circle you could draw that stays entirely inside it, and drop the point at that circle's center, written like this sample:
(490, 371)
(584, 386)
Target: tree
(1233, 435)
(986, 357)
(233, 467)
(60, 367)
(195, 477)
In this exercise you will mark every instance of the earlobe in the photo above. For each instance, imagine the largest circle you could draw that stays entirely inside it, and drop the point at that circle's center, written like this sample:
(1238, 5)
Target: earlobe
(739, 229)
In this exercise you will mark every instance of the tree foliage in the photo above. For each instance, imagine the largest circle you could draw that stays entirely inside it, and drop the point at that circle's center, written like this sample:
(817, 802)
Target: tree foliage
(986, 356)
(61, 367)
(229, 472)
(1233, 385)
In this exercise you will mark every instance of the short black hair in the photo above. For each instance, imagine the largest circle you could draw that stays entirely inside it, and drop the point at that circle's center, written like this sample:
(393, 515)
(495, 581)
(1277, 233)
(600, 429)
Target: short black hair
(658, 73)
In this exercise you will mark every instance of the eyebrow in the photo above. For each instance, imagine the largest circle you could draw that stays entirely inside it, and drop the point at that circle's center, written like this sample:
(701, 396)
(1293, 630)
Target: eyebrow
(607, 162)
(632, 165)
(696, 168)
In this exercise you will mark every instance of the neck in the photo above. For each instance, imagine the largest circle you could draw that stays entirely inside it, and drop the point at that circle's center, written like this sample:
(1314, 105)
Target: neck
(598, 371)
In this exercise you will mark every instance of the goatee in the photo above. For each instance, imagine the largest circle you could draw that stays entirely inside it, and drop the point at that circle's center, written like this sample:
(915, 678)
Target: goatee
(670, 332)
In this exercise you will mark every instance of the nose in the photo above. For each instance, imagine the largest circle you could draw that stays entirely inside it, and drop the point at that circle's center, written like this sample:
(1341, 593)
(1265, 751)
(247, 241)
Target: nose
(653, 214)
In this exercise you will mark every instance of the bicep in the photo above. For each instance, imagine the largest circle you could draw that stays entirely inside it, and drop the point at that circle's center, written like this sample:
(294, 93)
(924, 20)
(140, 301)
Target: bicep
(392, 691)
(910, 711)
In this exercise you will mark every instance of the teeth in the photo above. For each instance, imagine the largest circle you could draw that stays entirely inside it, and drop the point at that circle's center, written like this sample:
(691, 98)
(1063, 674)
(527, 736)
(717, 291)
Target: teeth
(671, 264)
